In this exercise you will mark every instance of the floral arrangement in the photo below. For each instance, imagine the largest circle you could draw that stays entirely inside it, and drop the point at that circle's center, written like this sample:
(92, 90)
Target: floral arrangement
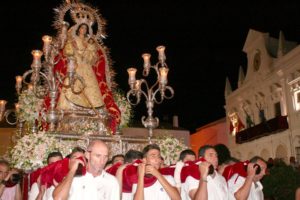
(170, 148)
(89, 127)
(124, 106)
(30, 151)
(29, 106)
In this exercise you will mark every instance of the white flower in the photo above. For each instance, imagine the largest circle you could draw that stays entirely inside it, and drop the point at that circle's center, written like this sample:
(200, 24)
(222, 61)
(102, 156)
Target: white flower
(170, 148)
(124, 106)
(30, 106)
(31, 151)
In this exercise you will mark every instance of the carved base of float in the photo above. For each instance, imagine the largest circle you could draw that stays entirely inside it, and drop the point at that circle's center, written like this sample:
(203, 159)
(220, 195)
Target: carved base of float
(118, 144)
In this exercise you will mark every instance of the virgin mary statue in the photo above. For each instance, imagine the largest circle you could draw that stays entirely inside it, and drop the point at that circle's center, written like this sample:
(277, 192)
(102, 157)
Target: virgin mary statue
(81, 49)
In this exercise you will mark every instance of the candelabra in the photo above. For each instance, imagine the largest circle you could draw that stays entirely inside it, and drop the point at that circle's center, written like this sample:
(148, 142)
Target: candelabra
(6, 113)
(42, 80)
(151, 93)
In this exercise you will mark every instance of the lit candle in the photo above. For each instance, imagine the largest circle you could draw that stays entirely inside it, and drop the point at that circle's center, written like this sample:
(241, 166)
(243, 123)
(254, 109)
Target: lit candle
(36, 63)
(163, 71)
(161, 53)
(2, 105)
(146, 57)
(17, 107)
(19, 81)
(30, 87)
(131, 72)
(47, 42)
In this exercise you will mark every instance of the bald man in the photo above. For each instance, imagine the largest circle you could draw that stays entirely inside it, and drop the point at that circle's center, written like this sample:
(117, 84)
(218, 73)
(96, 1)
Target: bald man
(95, 184)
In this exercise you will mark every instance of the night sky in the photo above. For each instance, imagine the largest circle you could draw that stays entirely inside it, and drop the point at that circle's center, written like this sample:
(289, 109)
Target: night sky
(203, 39)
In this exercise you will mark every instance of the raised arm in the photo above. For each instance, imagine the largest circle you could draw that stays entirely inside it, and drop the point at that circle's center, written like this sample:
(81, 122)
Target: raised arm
(139, 194)
(243, 192)
(61, 192)
(201, 192)
(171, 190)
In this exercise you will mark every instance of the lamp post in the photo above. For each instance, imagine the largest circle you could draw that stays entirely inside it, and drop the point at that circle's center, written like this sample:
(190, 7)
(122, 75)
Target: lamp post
(151, 93)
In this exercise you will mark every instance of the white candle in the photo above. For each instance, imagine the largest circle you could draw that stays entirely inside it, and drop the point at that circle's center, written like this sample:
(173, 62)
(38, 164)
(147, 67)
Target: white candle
(161, 53)
(163, 71)
(17, 107)
(19, 81)
(146, 57)
(131, 72)
(47, 42)
(2, 105)
(37, 54)
(30, 87)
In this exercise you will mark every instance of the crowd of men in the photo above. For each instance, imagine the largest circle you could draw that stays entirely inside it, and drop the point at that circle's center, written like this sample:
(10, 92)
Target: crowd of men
(88, 174)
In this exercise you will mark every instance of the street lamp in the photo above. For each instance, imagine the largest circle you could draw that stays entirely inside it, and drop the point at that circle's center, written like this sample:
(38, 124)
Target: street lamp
(151, 94)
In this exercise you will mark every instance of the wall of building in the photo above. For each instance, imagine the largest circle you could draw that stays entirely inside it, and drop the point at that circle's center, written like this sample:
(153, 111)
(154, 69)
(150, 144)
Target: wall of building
(273, 80)
(213, 133)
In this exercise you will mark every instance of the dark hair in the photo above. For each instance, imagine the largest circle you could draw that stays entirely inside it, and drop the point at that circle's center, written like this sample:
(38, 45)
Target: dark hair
(223, 153)
(186, 152)
(87, 29)
(256, 158)
(203, 148)
(132, 155)
(150, 147)
(115, 156)
(54, 154)
(231, 159)
(77, 149)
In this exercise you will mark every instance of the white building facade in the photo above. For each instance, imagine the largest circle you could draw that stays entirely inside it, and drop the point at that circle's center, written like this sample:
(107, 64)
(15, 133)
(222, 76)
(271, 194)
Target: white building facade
(264, 111)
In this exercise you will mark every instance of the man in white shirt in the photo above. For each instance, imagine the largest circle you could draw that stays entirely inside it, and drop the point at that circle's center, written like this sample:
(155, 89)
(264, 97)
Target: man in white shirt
(185, 155)
(95, 184)
(209, 187)
(8, 192)
(130, 157)
(164, 186)
(40, 192)
(248, 187)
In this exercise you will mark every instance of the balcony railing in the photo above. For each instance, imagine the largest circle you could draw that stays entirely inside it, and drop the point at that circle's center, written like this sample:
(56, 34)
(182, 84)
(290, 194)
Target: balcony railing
(266, 128)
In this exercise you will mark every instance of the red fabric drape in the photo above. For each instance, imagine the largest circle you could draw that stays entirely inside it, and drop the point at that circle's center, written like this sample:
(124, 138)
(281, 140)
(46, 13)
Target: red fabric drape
(99, 69)
(237, 168)
(130, 176)
(25, 186)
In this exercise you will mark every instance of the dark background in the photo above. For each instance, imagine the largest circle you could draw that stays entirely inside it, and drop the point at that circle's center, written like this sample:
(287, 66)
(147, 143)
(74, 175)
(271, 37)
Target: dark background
(203, 39)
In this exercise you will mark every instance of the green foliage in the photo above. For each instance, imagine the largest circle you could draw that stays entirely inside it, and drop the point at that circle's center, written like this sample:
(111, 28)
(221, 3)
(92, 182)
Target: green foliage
(282, 182)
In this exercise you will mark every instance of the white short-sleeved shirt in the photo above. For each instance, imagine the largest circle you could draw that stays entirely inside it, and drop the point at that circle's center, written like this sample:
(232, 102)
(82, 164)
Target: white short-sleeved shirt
(9, 193)
(236, 182)
(216, 187)
(34, 191)
(104, 187)
(127, 196)
(156, 191)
